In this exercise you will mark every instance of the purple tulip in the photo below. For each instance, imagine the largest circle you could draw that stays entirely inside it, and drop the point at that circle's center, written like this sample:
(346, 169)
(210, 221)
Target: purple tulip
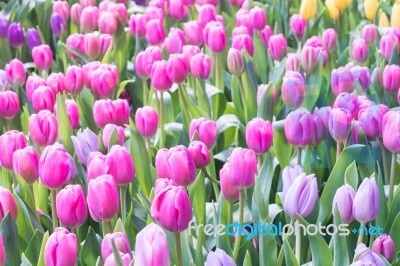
(359, 50)
(33, 38)
(348, 101)
(341, 80)
(362, 75)
(388, 44)
(340, 124)
(369, 33)
(299, 128)
(84, 143)
(343, 201)
(366, 201)
(16, 35)
(61, 248)
(391, 78)
(57, 24)
(289, 175)
(372, 119)
(243, 168)
(219, 258)
(4, 28)
(384, 245)
(364, 256)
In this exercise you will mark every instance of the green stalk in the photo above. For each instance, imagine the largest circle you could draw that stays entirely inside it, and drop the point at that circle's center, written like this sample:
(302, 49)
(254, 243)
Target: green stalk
(30, 186)
(239, 236)
(243, 97)
(298, 241)
(230, 212)
(108, 226)
(162, 135)
(122, 195)
(384, 162)
(217, 72)
(53, 208)
(338, 149)
(392, 178)
(145, 92)
(360, 234)
(299, 155)
(179, 261)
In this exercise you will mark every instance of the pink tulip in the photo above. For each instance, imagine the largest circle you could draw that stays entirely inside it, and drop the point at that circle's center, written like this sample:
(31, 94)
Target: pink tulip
(15, 72)
(75, 41)
(10, 142)
(92, 45)
(161, 163)
(155, 33)
(266, 34)
(215, 37)
(111, 112)
(26, 163)
(243, 41)
(177, 69)
(359, 50)
(258, 18)
(153, 12)
(369, 33)
(32, 83)
(137, 25)
(71, 206)
(259, 135)
(200, 153)
(120, 165)
(200, 66)
(125, 258)
(391, 78)
(293, 89)
(175, 41)
(292, 62)
(76, 10)
(7, 204)
(43, 98)
(109, 129)
(108, 22)
(62, 9)
(42, 56)
(188, 52)
(56, 81)
(372, 119)
(3, 255)
(277, 46)
(177, 10)
(193, 32)
(121, 243)
(342, 80)
(390, 124)
(348, 101)
(384, 245)
(96, 165)
(146, 120)
(61, 248)
(207, 13)
(9, 104)
(340, 124)
(298, 25)
(106, 41)
(89, 18)
(206, 130)
(228, 191)
(159, 76)
(388, 44)
(298, 127)
(243, 168)
(329, 40)
(104, 81)
(181, 166)
(43, 128)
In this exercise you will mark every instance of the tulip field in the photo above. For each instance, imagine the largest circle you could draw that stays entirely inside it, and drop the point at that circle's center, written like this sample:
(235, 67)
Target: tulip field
(199, 132)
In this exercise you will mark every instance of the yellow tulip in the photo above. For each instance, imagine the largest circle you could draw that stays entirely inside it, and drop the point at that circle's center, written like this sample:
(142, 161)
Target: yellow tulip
(333, 11)
(370, 7)
(395, 18)
(341, 4)
(383, 20)
(308, 9)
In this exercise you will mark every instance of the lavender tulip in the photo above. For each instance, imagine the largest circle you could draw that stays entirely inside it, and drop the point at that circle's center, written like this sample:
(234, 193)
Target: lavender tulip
(84, 143)
(366, 201)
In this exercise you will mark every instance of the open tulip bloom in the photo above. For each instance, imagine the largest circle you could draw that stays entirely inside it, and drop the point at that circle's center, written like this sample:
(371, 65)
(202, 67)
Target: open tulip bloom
(199, 132)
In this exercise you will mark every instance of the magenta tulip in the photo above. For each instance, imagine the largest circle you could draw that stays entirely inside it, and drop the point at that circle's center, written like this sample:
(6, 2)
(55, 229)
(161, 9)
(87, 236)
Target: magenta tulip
(146, 120)
(206, 130)
(42, 56)
(200, 153)
(384, 245)
(340, 124)
(228, 191)
(43, 128)
(293, 89)
(243, 168)
(298, 126)
(71, 206)
(26, 164)
(120, 165)
(121, 243)
(61, 248)
(9, 104)
(7, 204)
(10, 142)
(259, 135)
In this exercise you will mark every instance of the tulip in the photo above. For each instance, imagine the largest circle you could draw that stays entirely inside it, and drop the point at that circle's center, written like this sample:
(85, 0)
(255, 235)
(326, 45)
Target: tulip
(33, 38)
(161, 163)
(125, 259)
(96, 165)
(162, 183)
(56, 81)
(10, 141)
(377, 79)
(84, 143)
(32, 83)
(219, 258)
(76, 10)
(72, 112)
(57, 24)
(177, 10)
(16, 35)
(89, 18)
(172, 208)
(388, 44)
(189, 51)
(121, 243)
(200, 153)
(347, 101)
(341, 80)
(193, 32)
(3, 255)
(258, 18)
(301, 196)
(308, 9)
(384, 245)
(243, 168)
(207, 13)
(329, 40)
(71, 206)
(235, 62)
(395, 17)
(156, 12)
(362, 75)
(120, 165)
(155, 33)
(61, 248)
(292, 62)
(343, 201)
(366, 201)
(342, 4)
(181, 166)
(104, 82)
(75, 41)
(277, 46)
(309, 58)
(298, 25)
(262, 89)
(370, 8)
(62, 9)
(177, 69)
(9, 104)
(111, 112)
(102, 198)
(43, 98)
(364, 256)
(175, 41)
(108, 130)
(359, 50)
(106, 41)
(289, 175)
(293, 89)
(159, 76)
(4, 25)
(390, 124)
(108, 22)
(152, 247)
(323, 115)
(259, 135)
(200, 66)
(243, 41)
(340, 124)
(7, 204)
(369, 33)
(298, 127)
(228, 191)
(215, 37)
(4, 85)
(206, 130)
(137, 25)
(42, 56)
(146, 120)
(372, 119)
(151, 55)
(244, 19)
(391, 78)
(26, 163)
(15, 72)
(92, 45)
(266, 34)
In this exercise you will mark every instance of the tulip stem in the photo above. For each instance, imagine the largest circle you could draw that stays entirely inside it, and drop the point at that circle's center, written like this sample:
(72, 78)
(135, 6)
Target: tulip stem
(178, 247)
(9, 123)
(53, 208)
(299, 155)
(148, 148)
(108, 226)
(32, 192)
(122, 194)
(230, 213)
(145, 92)
(338, 149)
(384, 162)
(392, 178)
(361, 234)
(217, 72)
(162, 133)
(239, 236)
(298, 240)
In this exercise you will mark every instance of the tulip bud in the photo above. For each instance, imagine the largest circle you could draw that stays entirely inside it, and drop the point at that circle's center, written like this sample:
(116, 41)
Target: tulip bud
(161, 163)
(89, 18)
(384, 245)
(181, 166)
(177, 69)
(369, 33)
(348, 101)
(151, 55)
(243, 41)
(16, 35)
(308, 9)
(159, 76)
(372, 119)
(61, 248)
(299, 128)
(370, 8)
(277, 46)
(32, 83)
(235, 62)
(108, 22)
(359, 50)
(362, 75)
(292, 62)
(228, 191)
(92, 45)
(104, 81)
(293, 89)
(102, 198)
(259, 135)
(42, 56)
(155, 33)
(62, 9)
(364, 256)
(56, 81)
(206, 130)
(215, 37)
(390, 124)
(33, 38)
(9, 104)
(76, 10)
(84, 143)
(388, 44)
(57, 25)
(43, 98)
(146, 120)
(15, 72)
(200, 66)
(207, 13)
(96, 165)
(395, 17)
(175, 41)
(266, 34)
(391, 78)
(200, 153)
(3, 255)
(357, 133)
(193, 32)
(177, 10)
(289, 175)
(152, 246)
(309, 58)
(341, 80)
(340, 124)
(120, 165)
(219, 257)
(329, 40)
(301, 196)
(106, 41)
(243, 168)
(298, 25)
(366, 201)
(121, 243)
(111, 112)
(75, 41)
(125, 259)
(258, 18)
(172, 208)
(137, 25)
(7, 204)
(4, 25)
(71, 206)
(10, 142)
(26, 163)
(107, 133)
(343, 201)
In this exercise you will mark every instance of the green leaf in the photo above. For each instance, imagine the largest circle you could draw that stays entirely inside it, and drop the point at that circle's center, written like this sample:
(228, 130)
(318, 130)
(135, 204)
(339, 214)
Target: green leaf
(9, 232)
(282, 149)
(91, 248)
(197, 194)
(340, 254)
(247, 259)
(395, 231)
(290, 258)
(64, 126)
(85, 101)
(31, 251)
(267, 249)
(266, 105)
(351, 175)
(41, 255)
(117, 257)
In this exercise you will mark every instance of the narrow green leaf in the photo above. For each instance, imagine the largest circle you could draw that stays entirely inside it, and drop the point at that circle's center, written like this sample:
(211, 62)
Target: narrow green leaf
(247, 259)
(91, 248)
(290, 258)
(41, 255)
(351, 175)
(340, 255)
(9, 232)
(64, 126)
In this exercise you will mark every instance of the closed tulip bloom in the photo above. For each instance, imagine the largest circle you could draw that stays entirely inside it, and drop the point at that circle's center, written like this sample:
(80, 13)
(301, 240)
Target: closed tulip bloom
(57, 24)
(155, 33)
(96, 165)
(395, 17)
(56, 81)
(359, 50)
(298, 25)
(388, 44)
(75, 41)
(309, 58)
(293, 89)
(228, 191)
(106, 41)
(177, 69)
(160, 79)
(364, 256)
(26, 163)
(348, 101)
(103, 113)
(61, 8)
(391, 78)
(9, 104)
(120, 164)
(84, 143)
(125, 259)
(289, 175)
(317, 131)
(215, 37)
(341, 80)
(219, 258)
(146, 120)
(172, 208)
(76, 10)
(4, 28)
(258, 18)
(340, 124)
(7, 204)
(200, 153)
(390, 125)
(56, 167)
(108, 22)
(103, 83)
(343, 201)
(102, 198)
(177, 10)
(342, 4)
(121, 243)
(181, 166)
(151, 55)
(200, 66)
(32, 83)
(33, 38)
(61, 248)
(292, 62)
(206, 130)
(299, 127)
(243, 19)
(152, 247)
(193, 32)
(266, 34)
(121, 112)
(42, 56)
(137, 25)
(240, 30)
(301, 196)
(366, 201)
(277, 46)
(155, 12)
(243, 41)
(43, 98)
(16, 35)
(370, 8)
(3, 255)
(43, 128)
(308, 9)
(10, 142)
(15, 72)
(323, 114)
(259, 135)
(235, 62)
(71, 206)
(175, 41)
(161, 163)
(372, 119)
(189, 51)
(108, 130)
(89, 18)
(369, 33)
(207, 13)
(92, 45)
(262, 89)
(384, 245)
(329, 40)
(362, 75)
(243, 168)
(162, 183)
